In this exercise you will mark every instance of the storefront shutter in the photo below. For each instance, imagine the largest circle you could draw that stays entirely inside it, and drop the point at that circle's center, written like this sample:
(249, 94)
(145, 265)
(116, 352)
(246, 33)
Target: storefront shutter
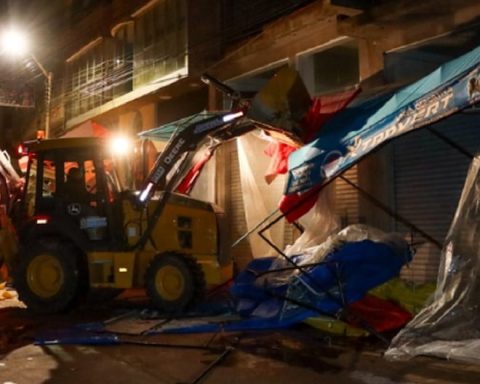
(428, 180)
(347, 199)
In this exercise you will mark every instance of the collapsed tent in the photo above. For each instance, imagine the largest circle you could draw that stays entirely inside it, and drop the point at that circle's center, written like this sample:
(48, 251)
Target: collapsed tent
(449, 326)
(330, 281)
(363, 126)
(322, 280)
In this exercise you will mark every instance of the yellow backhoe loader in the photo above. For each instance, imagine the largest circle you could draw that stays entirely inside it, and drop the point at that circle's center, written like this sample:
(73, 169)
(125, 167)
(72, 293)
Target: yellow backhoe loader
(77, 227)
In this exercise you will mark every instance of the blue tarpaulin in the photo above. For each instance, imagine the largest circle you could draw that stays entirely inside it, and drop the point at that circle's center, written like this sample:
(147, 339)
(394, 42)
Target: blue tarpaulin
(344, 277)
(363, 126)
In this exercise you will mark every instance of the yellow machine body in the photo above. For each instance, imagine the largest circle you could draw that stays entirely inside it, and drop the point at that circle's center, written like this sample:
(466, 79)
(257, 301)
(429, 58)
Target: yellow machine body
(171, 245)
(186, 226)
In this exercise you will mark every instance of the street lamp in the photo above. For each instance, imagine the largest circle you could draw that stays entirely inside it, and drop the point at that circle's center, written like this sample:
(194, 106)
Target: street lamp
(15, 43)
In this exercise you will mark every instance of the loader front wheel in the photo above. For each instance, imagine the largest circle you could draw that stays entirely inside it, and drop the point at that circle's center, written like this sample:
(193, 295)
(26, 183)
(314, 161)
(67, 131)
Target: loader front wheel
(174, 282)
(48, 277)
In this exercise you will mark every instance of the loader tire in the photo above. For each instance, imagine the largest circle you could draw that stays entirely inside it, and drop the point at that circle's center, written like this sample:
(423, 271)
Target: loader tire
(174, 282)
(48, 277)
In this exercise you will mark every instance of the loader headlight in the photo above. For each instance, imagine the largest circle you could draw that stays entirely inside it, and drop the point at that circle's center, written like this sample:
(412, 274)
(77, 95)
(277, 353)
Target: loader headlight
(120, 145)
(232, 116)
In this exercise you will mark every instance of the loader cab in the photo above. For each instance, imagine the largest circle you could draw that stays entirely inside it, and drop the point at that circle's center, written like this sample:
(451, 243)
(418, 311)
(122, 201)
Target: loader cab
(72, 183)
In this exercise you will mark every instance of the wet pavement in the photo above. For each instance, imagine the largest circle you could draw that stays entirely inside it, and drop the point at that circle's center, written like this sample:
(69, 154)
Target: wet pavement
(300, 355)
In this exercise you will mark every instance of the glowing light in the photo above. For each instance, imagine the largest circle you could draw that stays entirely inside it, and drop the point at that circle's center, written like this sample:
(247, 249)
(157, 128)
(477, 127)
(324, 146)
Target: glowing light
(120, 145)
(122, 269)
(14, 42)
(232, 116)
(42, 221)
(145, 192)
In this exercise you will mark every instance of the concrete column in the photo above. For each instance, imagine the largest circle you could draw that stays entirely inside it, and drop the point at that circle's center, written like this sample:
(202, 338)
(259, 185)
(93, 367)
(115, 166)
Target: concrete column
(370, 62)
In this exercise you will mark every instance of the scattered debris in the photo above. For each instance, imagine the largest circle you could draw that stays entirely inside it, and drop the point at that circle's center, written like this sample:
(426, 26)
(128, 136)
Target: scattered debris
(7, 293)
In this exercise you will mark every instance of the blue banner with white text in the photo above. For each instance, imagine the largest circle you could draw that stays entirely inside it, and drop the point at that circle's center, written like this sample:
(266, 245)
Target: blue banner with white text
(364, 126)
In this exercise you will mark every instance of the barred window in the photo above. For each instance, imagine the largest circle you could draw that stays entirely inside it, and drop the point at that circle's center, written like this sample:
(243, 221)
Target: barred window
(160, 42)
(332, 69)
(91, 79)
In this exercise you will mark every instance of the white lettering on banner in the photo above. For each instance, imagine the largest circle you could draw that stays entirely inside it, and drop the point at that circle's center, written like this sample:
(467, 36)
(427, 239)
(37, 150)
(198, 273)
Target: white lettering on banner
(424, 110)
(301, 176)
(430, 106)
(433, 109)
(446, 100)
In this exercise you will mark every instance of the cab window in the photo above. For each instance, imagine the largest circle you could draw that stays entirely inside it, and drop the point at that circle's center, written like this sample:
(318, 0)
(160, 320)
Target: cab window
(31, 188)
(48, 179)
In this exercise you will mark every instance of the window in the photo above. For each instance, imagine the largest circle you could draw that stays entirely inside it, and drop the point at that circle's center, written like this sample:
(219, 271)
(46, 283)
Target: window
(411, 62)
(123, 59)
(90, 78)
(31, 187)
(184, 234)
(111, 180)
(252, 83)
(45, 179)
(331, 70)
(48, 182)
(90, 176)
(160, 41)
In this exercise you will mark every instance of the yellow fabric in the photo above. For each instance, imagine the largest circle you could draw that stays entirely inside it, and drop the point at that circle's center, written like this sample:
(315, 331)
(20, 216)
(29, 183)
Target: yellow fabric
(334, 326)
(410, 296)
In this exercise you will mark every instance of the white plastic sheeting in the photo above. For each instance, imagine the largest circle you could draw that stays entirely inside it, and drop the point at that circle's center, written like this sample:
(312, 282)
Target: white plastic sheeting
(319, 223)
(450, 326)
(204, 188)
(318, 250)
(259, 198)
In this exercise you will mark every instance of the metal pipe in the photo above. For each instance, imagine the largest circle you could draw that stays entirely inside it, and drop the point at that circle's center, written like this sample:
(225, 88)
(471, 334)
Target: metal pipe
(389, 211)
(48, 100)
(450, 142)
(217, 361)
(48, 92)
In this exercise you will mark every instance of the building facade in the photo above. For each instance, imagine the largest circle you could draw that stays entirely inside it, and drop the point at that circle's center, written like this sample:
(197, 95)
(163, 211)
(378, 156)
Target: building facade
(134, 65)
